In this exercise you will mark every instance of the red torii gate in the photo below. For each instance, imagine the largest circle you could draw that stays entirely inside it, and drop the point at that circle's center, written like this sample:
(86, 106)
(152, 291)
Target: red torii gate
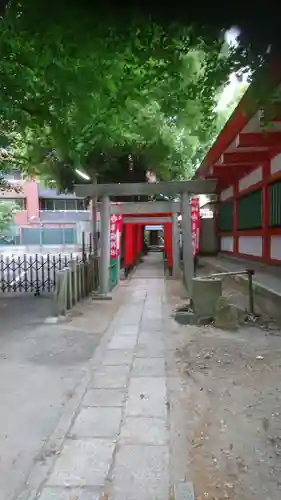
(134, 236)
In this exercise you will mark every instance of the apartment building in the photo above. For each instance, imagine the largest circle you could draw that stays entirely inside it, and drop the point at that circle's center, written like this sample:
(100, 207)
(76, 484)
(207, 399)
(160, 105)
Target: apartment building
(43, 216)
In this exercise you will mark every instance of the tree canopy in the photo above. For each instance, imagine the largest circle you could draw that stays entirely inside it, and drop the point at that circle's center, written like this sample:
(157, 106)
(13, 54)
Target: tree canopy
(115, 95)
(7, 210)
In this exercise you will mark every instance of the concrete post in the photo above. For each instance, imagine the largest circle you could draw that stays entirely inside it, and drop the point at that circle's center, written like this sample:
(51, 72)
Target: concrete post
(94, 220)
(61, 292)
(79, 287)
(83, 286)
(70, 302)
(175, 244)
(95, 240)
(187, 251)
(105, 245)
(73, 266)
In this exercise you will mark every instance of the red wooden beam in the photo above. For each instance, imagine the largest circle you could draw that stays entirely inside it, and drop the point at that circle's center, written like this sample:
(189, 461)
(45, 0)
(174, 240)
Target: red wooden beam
(251, 157)
(234, 172)
(259, 140)
(226, 167)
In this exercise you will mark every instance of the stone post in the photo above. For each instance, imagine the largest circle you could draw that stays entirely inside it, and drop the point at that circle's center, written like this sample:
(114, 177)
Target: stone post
(175, 244)
(68, 270)
(187, 251)
(94, 221)
(105, 245)
(83, 285)
(95, 238)
(79, 286)
(73, 266)
(61, 292)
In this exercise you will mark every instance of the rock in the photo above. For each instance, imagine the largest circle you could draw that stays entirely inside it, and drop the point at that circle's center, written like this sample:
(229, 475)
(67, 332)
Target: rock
(226, 315)
(265, 423)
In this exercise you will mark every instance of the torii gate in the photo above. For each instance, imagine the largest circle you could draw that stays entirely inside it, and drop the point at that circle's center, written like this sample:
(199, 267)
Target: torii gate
(135, 218)
(145, 211)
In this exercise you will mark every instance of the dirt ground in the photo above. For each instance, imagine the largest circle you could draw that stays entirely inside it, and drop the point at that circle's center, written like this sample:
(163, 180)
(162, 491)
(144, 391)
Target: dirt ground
(229, 407)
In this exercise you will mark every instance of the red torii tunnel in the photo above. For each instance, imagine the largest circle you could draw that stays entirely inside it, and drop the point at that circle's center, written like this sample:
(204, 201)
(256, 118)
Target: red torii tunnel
(133, 225)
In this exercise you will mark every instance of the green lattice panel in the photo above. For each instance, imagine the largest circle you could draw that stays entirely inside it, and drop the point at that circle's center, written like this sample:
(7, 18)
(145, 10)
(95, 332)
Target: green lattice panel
(113, 273)
(275, 204)
(226, 216)
(250, 210)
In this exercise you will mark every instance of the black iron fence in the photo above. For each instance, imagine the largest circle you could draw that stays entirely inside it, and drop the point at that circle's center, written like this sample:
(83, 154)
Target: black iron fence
(36, 273)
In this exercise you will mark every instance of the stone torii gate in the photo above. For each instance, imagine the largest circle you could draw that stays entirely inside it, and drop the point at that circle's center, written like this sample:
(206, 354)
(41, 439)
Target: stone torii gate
(184, 189)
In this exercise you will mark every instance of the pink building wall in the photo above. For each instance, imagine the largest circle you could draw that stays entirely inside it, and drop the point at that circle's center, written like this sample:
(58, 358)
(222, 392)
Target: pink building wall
(30, 194)
(32, 199)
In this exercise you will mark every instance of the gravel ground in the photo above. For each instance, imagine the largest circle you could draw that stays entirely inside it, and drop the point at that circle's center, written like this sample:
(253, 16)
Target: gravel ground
(228, 407)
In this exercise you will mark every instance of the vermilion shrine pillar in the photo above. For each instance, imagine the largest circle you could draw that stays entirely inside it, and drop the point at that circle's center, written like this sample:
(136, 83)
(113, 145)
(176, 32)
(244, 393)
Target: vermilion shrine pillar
(169, 251)
(140, 234)
(128, 250)
(105, 245)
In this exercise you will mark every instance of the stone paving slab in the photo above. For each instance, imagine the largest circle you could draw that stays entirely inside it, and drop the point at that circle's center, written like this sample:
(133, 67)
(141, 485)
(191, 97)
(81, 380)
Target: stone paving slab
(83, 463)
(144, 430)
(148, 367)
(123, 342)
(97, 423)
(127, 330)
(118, 357)
(104, 397)
(141, 473)
(150, 351)
(152, 324)
(184, 491)
(70, 494)
(111, 377)
(147, 397)
(151, 339)
(130, 318)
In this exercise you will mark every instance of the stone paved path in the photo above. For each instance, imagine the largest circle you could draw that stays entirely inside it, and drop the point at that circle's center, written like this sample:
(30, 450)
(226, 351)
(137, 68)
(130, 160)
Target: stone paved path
(119, 443)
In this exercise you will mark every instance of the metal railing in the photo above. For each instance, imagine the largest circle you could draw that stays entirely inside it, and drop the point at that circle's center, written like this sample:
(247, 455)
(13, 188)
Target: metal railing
(37, 273)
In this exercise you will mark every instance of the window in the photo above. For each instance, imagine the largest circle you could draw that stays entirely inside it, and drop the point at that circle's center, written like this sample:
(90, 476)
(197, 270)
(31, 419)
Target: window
(13, 175)
(81, 205)
(20, 203)
(70, 204)
(46, 204)
(53, 204)
(59, 205)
